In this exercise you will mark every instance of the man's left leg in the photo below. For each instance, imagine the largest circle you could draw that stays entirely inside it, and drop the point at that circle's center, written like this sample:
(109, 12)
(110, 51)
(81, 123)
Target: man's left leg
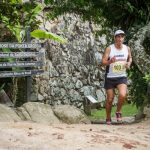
(122, 93)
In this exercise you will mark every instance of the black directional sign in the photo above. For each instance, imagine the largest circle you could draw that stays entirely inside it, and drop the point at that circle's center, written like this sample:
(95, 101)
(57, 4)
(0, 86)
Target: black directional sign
(27, 62)
(21, 64)
(5, 74)
(19, 45)
(20, 54)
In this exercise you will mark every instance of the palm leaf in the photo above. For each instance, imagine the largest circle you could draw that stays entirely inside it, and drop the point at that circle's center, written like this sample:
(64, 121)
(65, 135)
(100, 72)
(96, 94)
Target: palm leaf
(41, 34)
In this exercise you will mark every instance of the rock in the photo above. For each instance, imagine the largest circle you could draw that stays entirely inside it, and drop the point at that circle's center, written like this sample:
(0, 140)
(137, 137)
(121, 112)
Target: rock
(37, 112)
(98, 57)
(101, 95)
(147, 111)
(88, 90)
(74, 96)
(79, 84)
(70, 114)
(8, 114)
(40, 97)
(68, 83)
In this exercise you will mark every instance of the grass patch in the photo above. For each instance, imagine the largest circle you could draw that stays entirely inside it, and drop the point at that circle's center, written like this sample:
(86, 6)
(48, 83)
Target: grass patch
(127, 110)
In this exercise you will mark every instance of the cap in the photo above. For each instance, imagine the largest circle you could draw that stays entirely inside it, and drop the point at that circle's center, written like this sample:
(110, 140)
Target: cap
(119, 32)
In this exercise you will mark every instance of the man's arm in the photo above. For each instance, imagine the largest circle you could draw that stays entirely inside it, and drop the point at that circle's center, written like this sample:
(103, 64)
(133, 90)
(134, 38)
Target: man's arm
(105, 58)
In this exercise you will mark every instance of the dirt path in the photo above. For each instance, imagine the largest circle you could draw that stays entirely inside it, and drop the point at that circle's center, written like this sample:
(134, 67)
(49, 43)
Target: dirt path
(32, 136)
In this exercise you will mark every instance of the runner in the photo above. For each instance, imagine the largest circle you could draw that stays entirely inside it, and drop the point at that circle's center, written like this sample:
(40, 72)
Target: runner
(117, 58)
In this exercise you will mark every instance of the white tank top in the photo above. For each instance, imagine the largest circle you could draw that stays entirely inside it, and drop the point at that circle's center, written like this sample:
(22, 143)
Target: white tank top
(117, 69)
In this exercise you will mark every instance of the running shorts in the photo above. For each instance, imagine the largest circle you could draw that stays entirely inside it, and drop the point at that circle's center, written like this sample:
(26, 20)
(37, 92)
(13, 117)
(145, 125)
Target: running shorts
(111, 83)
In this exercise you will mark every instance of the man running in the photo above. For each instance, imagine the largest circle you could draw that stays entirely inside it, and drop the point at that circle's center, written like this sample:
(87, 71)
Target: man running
(117, 58)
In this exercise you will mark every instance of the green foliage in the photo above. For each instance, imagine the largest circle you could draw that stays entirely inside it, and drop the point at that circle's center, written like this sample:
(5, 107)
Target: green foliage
(15, 17)
(15, 29)
(14, 1)
(23, 15)
(83, 8)
(120, 13)
(2, 86)
(32, 18)
(147, 78)
(47, 35)
(127, 13)
(139, 85)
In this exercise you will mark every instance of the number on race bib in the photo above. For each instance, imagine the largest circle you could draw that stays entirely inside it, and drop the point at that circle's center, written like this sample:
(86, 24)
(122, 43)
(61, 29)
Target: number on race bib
(118, 67)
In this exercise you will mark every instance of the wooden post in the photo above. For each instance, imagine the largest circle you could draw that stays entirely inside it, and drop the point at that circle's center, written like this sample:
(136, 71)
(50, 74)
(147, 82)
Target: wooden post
(28, 78)
(87, 106)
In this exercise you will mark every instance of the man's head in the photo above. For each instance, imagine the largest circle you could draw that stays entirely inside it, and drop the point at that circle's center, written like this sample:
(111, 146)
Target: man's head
(119, 32)
(119, 36)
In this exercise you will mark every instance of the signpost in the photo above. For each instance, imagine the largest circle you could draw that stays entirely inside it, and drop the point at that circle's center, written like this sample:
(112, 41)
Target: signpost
(6, 74)
(18, 63)
(28, 78)
(19, 45)
(20, 54)
(21, 64)
(24, 63)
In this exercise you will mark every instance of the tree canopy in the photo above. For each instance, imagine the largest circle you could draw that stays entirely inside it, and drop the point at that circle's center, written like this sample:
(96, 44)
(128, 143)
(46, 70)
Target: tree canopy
(14, 18)
(123, 13)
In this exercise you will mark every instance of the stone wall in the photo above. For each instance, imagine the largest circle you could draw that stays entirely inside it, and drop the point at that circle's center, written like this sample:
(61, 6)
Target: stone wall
(73, 70)
(140, 57)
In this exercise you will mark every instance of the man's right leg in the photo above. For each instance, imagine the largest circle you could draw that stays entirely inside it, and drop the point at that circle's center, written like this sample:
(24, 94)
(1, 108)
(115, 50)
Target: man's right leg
(109, 100)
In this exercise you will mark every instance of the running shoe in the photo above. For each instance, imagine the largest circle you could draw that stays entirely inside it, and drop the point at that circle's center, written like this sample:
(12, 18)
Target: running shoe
(108, 121)
(119, 117)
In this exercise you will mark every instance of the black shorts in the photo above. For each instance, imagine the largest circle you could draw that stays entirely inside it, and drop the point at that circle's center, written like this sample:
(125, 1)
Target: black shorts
(111, 83)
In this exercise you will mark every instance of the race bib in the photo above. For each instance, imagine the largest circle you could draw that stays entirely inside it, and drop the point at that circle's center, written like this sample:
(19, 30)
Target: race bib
(118, 67)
